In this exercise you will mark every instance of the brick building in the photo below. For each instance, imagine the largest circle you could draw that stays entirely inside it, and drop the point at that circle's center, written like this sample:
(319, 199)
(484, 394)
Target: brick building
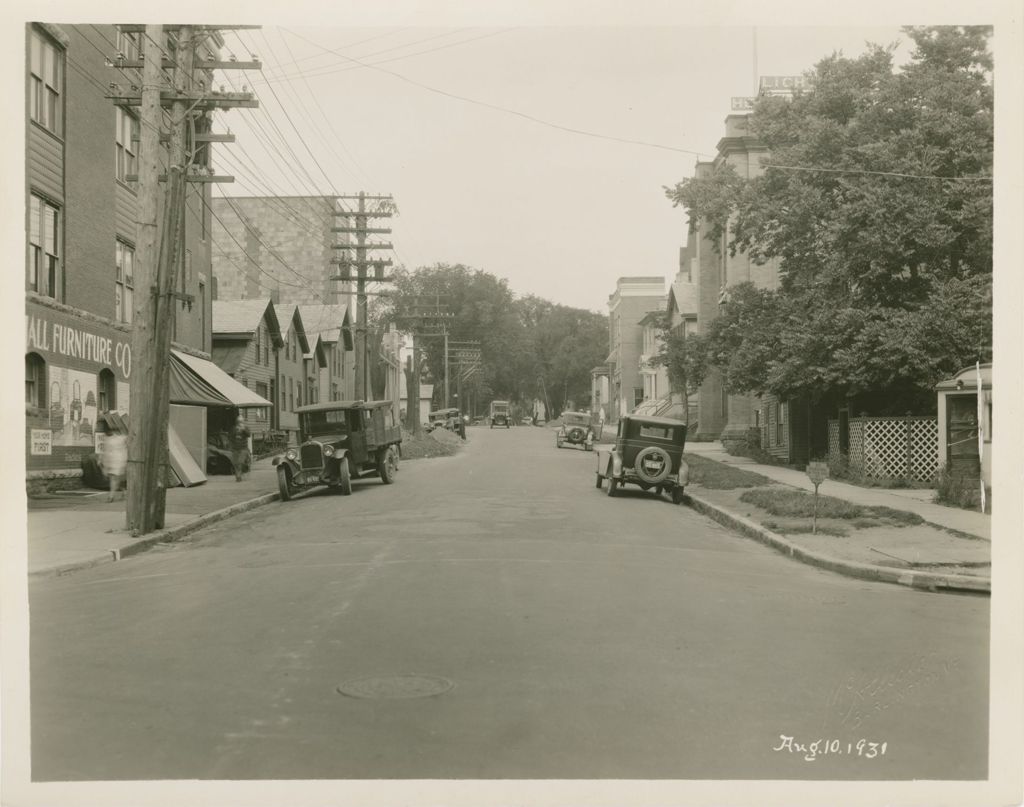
(80, 224)
(278, 247)
(721, 415)
(633, 299)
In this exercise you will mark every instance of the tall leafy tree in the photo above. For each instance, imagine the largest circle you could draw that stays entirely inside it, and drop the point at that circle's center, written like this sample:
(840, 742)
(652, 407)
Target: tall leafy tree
(530, 347)
(877, 200)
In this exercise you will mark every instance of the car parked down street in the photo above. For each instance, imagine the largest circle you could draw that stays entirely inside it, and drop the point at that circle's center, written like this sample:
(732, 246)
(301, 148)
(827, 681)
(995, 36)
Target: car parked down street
(577, 430)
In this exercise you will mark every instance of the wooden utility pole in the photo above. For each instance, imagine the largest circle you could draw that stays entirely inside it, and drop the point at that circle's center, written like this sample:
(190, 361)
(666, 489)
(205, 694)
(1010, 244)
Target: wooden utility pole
(159, 249)
(415, 316)
(142, 458)
(412, 390)
(362, 383)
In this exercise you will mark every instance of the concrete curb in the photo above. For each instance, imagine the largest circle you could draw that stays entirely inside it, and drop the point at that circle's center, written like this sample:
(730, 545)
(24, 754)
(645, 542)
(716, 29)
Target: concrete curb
(163, 536)
(929, 581)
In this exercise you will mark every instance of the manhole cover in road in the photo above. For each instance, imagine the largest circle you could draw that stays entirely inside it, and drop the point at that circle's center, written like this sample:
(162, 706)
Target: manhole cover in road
(396, 686)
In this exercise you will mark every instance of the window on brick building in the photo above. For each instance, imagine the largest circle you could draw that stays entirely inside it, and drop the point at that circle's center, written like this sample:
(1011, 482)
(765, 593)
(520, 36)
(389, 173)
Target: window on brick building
(46, 82)
(35, 380)
(44, 241)
(124, 281)
(126, 138)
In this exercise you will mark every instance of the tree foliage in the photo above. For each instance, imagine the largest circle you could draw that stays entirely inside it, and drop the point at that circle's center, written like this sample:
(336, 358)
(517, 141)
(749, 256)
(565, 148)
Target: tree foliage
(530, 347)
(877, 202)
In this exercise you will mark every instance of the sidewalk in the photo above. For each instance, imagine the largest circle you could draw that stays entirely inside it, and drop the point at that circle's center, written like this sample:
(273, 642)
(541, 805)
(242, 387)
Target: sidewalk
(923, 555)
(70, 532)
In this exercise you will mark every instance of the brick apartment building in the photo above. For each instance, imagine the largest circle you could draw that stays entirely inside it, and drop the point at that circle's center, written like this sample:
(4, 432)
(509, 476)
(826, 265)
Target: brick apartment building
(278, 247)
(634, 298)
(80, 225)
(722, 415)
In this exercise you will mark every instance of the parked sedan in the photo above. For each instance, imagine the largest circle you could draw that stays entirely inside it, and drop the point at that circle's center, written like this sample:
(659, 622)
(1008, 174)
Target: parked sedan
(648, 452)
(576, 430)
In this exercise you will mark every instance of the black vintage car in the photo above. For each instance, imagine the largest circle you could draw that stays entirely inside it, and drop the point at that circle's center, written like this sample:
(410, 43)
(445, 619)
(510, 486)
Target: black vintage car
(576, 430)
(340, 441)
(648, 452)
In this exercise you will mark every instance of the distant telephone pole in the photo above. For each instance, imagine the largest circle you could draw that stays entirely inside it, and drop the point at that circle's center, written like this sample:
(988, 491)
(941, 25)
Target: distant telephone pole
(159, 245)
(361, 264)
(418, 315)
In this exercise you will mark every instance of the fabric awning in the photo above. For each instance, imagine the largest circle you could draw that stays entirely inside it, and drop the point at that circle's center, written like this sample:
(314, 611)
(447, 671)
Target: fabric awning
(198, 381)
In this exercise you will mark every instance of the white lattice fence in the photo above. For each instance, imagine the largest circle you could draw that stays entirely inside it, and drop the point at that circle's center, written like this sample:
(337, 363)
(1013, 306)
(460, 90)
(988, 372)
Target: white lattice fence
(895, 448)
(856, 443)
(833, 438)
(924, 450)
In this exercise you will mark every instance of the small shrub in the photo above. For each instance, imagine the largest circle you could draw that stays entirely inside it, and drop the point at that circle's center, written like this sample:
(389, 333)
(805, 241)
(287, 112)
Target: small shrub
(959, 490)
(865, 523)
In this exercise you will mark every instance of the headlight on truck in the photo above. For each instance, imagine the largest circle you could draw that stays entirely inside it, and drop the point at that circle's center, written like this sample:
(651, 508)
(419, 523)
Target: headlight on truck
(291, 454)
(328, 451)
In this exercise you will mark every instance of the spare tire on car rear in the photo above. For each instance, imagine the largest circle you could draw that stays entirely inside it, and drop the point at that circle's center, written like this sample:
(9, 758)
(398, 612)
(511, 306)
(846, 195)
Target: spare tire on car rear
(650, 453)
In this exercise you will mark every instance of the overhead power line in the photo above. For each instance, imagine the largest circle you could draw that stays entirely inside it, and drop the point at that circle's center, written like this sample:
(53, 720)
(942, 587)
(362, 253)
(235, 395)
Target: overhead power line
(331, 69)
(498, 108)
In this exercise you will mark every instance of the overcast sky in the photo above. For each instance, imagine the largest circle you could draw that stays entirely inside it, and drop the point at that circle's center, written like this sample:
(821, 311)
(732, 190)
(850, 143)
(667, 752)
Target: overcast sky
(560, 214)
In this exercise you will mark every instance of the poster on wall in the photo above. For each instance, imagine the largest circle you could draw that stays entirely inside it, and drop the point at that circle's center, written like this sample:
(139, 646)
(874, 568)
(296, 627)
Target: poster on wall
(72, 407)
(123, 396)
(41, 442)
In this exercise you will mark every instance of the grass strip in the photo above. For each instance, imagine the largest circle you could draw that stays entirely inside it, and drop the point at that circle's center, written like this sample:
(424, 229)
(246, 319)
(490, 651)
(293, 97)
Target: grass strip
(719, 476)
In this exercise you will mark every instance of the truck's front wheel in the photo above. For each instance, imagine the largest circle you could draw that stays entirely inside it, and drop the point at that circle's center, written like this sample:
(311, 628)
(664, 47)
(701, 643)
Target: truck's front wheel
(284, 483)
(344, 477)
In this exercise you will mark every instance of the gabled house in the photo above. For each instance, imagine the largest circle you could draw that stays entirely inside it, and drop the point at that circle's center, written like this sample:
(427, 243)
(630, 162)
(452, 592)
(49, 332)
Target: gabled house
(333, 324)
(246, 337)
(314, 361)
(290, 369)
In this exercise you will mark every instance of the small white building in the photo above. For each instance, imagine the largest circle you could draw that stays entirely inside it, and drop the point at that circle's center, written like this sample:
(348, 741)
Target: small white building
(961, 417)
(426, 394)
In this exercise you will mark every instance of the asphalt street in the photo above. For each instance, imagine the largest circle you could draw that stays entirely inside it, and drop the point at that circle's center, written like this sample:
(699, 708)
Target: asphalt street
(493, 615)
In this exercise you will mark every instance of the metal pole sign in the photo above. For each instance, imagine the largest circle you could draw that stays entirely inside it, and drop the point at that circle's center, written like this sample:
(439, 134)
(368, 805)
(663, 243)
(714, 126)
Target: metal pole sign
(818, 473)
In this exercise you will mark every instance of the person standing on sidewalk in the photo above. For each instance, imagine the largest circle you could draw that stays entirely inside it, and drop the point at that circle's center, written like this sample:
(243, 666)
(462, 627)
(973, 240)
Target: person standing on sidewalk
(115, 460)
(239, 447)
